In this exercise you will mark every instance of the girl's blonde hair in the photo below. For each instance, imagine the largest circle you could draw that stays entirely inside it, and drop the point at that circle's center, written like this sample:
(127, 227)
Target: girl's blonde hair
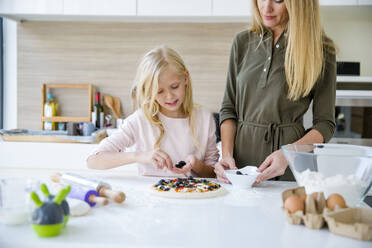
(306, 45)
(146, 86)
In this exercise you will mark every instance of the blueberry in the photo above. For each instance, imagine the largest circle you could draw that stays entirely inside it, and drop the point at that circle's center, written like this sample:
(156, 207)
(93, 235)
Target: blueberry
(190, 178)
(180, 164)
(239, 173)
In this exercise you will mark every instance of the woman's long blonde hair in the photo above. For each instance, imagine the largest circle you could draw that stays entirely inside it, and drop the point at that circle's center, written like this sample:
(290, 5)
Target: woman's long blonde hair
(306, 45)
(146, 86)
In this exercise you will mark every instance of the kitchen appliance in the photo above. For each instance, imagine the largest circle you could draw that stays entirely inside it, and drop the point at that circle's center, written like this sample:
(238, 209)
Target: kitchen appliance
(348, 68)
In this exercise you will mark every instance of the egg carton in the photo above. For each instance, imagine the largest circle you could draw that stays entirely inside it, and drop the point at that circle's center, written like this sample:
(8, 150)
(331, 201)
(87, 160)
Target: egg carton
(349, 222)
(312, 216)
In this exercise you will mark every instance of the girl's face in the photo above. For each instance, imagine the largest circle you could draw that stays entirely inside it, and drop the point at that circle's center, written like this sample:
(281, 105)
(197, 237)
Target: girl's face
(171, 93)
(273, 13)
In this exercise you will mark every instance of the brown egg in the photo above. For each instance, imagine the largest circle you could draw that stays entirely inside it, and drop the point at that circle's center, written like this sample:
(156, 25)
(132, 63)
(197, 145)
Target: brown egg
(294, 204)
(335, 200)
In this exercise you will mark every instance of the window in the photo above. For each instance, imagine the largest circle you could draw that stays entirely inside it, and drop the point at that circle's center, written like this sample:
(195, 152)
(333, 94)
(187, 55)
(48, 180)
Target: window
(1, 75)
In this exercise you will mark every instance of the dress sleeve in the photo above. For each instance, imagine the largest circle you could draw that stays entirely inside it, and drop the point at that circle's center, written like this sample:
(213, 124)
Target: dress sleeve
(228, 110)
(211, 153)
(324, 100)
(121, 139)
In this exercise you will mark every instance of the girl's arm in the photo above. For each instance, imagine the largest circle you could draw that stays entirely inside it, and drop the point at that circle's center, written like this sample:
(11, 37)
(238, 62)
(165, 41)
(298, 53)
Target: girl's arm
(108, 160)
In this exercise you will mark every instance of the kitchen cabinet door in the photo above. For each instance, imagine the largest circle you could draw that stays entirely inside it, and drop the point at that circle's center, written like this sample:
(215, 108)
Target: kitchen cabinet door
(338, 2)
(231, 8)
(99, 7)
(174, 7)
(365, 2)
(47, 7)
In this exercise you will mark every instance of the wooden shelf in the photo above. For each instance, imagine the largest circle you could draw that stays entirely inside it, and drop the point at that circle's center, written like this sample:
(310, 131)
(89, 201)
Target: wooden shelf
(66, 119)
(87, 118)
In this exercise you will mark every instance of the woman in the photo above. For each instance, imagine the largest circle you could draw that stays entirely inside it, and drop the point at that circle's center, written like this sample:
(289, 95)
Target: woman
(275, 70)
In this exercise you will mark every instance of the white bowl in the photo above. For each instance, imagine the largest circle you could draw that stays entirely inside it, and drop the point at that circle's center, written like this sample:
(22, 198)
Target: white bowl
(244, 181)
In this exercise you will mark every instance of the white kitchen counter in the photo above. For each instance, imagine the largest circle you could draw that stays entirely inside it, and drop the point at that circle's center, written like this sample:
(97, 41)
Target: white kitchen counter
(242, 218)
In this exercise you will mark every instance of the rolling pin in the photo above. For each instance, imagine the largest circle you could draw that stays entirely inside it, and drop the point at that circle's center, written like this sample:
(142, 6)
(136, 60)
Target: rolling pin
(103, 189)
(88, 195)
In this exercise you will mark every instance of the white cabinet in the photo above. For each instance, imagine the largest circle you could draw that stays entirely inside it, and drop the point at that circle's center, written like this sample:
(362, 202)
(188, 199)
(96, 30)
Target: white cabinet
(365, 2)
(47, 7)
(231, 8)
(99, 7)
(174, 7)
(338, 2)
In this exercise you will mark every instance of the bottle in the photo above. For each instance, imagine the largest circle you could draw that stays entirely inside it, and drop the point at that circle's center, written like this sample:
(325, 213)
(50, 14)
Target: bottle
(49, 111)
(97, 114)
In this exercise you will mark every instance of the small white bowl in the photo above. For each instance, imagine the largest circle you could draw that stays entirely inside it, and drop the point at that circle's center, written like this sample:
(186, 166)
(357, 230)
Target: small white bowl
(244, 181)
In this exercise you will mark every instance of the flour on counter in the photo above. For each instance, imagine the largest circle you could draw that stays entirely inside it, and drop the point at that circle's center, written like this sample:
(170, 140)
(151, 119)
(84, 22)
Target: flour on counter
(350, 187)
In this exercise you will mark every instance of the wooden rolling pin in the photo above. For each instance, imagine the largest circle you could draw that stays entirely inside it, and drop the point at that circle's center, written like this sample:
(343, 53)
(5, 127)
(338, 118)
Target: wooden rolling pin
(88, 195)
(103, 189)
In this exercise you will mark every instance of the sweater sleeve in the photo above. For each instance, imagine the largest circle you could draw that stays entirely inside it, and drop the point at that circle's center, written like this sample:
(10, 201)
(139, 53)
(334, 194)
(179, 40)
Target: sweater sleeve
(324, 100)
(121, 139)
(228, 110)
(211, 153)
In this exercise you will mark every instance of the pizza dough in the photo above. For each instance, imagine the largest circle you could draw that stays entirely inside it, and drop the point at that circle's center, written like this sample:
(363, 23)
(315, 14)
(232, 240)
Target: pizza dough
(187, 188)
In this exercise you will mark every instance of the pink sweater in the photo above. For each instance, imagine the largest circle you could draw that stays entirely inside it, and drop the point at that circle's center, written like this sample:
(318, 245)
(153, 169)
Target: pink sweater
(140, 135)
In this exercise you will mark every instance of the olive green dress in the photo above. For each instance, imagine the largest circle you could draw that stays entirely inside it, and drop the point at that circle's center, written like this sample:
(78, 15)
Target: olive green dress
(256, 98)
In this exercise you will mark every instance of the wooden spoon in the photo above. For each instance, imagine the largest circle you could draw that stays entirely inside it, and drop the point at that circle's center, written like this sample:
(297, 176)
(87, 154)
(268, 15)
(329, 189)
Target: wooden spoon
(117, 107)
(109, 102)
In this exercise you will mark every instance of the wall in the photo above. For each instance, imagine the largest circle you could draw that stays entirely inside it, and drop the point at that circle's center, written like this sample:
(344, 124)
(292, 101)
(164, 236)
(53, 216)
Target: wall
(106, 55)
(351, 29)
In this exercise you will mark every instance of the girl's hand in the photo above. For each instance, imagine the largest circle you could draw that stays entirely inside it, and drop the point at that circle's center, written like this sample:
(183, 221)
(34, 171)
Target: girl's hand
(274, 165)
(227, 163)
(158, 158)
(190, 161)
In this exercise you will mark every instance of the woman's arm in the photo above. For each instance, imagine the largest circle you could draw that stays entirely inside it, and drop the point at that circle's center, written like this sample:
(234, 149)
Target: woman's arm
(228, 130)
(276, 164)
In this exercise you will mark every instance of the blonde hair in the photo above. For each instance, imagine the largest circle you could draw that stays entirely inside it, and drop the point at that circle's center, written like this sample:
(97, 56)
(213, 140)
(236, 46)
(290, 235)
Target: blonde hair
(306, 45)
(146, 86)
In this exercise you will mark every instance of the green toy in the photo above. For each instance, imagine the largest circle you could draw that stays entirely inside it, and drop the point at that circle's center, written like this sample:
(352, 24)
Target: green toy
(64, 204)
(48, 218)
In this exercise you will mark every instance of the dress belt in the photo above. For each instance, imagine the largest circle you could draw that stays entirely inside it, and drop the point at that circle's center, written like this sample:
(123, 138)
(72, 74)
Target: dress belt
(272, 134)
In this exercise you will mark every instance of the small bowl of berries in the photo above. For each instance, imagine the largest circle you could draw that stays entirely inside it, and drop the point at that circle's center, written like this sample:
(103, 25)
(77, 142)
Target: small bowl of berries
(243, 178)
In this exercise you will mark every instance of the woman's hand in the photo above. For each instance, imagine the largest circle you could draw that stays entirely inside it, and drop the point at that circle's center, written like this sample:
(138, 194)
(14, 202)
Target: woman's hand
(190, 161)
(227, 163)
(156, 157)
(274, 165)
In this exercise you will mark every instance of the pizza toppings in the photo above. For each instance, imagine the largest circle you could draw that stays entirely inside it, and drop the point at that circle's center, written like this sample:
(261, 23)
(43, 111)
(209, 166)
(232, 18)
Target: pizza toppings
(183, 185)
(180, 164)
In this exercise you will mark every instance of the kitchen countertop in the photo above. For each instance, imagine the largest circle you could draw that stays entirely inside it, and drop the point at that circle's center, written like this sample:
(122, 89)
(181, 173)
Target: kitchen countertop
(242, 217)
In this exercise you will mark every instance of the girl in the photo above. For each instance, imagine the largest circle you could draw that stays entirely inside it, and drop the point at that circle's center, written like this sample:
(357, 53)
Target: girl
(163, 130)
